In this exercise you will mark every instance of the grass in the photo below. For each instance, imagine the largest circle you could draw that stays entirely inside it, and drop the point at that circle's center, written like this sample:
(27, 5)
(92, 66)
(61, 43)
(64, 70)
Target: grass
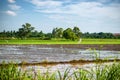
(84, 41)
(11, 72)
(108, 72)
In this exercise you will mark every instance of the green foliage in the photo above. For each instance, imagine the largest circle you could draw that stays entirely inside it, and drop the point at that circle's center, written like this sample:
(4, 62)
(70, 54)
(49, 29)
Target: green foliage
(48, 36)
(57, 33)
(108, 72)
(113, 72)
(65, 75)
(100, 35)
(77, 32)
(11, 71)
(82, 74)
(46, 76)
(37, 35)
(69, 34)
(25, 31)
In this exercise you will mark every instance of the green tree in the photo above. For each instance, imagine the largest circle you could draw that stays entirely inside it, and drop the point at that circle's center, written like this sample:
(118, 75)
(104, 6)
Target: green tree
(77, 32)
(60, 32)
(69, 34)
(41, 35)
(34, 34)
(25, 31)
(54, 33)
(57, 32)
(48, 36)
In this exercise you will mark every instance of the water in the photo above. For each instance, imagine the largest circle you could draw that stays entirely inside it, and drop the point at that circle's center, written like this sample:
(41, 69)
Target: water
(63, 67)
(32, 54)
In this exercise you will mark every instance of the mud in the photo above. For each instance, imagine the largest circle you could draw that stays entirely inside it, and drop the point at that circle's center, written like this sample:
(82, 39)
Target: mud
(115, 47)
(57, 53)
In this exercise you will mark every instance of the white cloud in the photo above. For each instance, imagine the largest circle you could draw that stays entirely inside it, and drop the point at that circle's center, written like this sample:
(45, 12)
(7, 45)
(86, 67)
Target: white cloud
(79, 12)
(95, 9)
(45, 3)
(86, 9)
(11, 13)
(11, 1)
(62, 18)
(14, 7)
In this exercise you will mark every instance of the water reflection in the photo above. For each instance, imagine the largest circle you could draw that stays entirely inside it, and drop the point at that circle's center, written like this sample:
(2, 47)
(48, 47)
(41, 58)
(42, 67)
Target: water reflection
(32, 53)
(62, 67)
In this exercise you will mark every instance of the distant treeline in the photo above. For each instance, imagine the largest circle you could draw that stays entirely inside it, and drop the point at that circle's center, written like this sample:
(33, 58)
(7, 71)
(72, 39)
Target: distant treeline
(101, 35)
(28, 32)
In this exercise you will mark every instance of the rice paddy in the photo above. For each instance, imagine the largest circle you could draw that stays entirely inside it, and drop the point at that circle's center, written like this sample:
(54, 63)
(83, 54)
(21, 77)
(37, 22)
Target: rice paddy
(83, 41)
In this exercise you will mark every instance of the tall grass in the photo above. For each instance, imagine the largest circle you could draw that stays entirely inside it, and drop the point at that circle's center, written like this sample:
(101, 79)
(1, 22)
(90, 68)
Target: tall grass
(10, 71)
(108, 72)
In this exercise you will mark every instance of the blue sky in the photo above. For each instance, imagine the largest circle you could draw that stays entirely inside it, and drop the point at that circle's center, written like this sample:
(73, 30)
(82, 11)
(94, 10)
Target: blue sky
(88, 15)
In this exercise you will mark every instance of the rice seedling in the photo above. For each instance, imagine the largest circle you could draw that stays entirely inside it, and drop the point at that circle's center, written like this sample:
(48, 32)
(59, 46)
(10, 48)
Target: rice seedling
(108, 72)
(113, 72)
(82, 74)
(46, 76)
(65, 75)
(10, 71)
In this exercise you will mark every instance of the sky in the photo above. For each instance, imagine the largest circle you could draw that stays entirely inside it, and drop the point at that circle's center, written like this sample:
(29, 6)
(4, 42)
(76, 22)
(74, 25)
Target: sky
(89, 15)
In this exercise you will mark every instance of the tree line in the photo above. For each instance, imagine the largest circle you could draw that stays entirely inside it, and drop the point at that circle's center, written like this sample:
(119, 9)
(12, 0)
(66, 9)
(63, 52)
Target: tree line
(101, 35)
(29, 32)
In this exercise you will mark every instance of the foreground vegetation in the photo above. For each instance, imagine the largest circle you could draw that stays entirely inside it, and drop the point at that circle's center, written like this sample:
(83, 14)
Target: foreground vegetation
(108, 72)
(62, 41)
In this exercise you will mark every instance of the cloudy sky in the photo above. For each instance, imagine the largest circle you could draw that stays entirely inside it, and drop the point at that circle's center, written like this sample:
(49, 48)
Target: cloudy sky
(88, 15)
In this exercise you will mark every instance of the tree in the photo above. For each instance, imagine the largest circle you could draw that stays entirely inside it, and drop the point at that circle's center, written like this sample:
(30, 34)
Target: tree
(54, 32)
(77, 32)
(25, 31)
(34, 34)
(41, 35)
(69, 34)
(48, 36)
(60, 32)
(57, 32)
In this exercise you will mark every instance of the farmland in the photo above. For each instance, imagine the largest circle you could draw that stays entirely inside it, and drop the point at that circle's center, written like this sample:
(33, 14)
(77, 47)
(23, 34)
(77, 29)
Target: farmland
(61, 41)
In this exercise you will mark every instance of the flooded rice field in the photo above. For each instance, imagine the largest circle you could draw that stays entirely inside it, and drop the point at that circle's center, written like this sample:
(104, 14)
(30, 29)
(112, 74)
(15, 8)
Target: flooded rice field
(63, 67)
(36, 54)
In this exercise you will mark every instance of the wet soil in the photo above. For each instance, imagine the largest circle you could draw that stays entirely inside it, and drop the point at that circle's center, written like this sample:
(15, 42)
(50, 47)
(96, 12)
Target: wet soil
(115, 47)
(54, 54)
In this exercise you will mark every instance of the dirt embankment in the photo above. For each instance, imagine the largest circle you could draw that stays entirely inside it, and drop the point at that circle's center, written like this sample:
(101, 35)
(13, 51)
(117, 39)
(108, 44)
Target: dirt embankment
(115, 47)
(84, 46)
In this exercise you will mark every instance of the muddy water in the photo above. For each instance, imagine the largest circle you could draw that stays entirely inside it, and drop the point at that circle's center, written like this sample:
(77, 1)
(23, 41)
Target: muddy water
(63, 67)
(33, 54)
(58, 67)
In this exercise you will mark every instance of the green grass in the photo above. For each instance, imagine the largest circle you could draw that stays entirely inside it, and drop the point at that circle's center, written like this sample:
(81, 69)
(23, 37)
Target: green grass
(11, 72)
(108, 72)
(84, 41)
(101, 41)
